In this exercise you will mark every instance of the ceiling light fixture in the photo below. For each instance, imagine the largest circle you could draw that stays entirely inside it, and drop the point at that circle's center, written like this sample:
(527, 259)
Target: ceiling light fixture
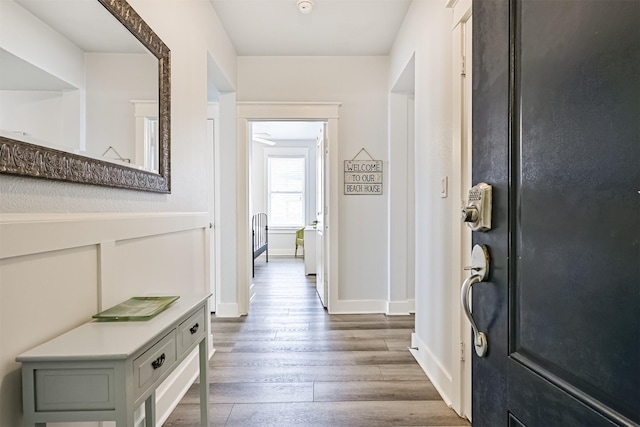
(305, 6)
(263, 141)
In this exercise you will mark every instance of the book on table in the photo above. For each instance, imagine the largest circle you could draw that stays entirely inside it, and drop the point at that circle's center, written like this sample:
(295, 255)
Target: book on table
(136, 308)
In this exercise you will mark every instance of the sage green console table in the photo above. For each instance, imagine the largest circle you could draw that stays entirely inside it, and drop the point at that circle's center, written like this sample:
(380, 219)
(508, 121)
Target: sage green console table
(103, 371)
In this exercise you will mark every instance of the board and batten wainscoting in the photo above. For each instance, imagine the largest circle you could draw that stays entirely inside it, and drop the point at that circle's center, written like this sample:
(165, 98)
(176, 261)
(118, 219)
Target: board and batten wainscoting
(57, 270)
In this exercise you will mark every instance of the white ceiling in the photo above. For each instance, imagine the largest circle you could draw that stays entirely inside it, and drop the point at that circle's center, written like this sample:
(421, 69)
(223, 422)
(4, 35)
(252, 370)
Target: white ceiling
(334, 27)
(86, 23)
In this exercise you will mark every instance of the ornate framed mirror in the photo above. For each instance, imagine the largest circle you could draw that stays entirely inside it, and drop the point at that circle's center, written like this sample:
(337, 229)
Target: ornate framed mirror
(88, 144)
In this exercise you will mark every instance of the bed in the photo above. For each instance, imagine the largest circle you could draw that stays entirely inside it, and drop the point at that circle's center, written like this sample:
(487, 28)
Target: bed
(260, 237)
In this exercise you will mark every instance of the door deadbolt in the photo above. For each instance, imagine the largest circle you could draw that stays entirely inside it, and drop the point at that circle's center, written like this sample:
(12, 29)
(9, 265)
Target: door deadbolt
(477, 212)
(470, 214)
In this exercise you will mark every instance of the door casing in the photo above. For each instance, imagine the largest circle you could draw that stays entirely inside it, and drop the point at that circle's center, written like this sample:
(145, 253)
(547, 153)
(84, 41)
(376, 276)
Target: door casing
(459, 184)
(287, 111)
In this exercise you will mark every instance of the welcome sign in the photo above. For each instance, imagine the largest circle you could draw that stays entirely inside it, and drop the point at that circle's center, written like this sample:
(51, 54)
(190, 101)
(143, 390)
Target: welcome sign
(363, 177)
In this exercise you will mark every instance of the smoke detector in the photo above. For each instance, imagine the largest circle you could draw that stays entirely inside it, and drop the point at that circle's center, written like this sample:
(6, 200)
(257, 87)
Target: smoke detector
(305, 6)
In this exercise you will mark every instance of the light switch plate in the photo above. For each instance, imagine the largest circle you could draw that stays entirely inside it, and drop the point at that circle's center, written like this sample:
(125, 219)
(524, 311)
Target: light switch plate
(444, 184)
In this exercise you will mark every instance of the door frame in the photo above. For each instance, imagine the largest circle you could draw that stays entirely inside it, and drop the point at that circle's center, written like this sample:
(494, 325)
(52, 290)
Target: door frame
(461, 164)
(248, 112)
(320, 195)
(213, 115)
(401, 222)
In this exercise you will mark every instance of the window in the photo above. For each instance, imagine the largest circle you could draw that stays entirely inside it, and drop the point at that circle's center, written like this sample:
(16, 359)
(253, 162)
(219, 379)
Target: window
(286, 186)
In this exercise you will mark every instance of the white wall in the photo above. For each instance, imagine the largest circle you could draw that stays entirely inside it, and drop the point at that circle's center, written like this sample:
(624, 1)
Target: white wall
(360, 84)
(112, 81)
(426, 33)
(94, 246)
(37, 115)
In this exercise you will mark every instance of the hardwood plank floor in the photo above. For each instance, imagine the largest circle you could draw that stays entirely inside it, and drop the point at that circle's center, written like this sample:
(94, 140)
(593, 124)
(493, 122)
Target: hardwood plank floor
(289, 363)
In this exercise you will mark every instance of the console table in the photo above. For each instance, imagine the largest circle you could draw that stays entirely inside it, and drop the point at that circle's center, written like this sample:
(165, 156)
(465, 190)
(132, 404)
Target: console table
(103, 371)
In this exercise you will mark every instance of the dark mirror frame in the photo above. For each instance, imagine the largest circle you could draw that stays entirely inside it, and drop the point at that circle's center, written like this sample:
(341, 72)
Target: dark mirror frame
(21, 158)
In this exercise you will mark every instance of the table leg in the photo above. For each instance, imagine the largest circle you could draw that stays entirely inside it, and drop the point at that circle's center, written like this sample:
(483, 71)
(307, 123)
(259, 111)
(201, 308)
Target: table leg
(150, 410)
(204, 384)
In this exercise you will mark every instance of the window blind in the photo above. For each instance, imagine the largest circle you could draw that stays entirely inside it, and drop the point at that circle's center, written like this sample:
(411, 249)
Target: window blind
(286, 191)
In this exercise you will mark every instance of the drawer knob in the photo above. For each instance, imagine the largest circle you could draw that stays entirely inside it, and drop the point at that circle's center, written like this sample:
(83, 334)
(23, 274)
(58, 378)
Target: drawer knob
(158, 362)
(194, 329)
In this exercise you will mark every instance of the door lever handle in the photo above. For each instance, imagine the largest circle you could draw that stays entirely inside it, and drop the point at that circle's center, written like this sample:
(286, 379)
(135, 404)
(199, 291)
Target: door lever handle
(480, 267)
(479, 338)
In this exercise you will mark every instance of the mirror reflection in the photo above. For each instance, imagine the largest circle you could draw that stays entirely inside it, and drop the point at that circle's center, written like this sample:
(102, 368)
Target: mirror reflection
(75, 79)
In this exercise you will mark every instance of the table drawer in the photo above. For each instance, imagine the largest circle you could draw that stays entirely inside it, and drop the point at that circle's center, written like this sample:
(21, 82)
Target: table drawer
(153, 363)
(191, 331)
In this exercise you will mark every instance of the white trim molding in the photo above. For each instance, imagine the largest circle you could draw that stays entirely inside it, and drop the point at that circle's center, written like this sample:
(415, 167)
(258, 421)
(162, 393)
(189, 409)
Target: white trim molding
(227, 310)
(37, 233)
(400, 308)
(288, 110)
(461, 10)
(359, 306)
(460, 167)
(438, 375)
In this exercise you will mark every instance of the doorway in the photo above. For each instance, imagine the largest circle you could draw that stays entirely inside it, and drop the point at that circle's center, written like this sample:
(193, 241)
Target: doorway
(285, 186)
(248, 115)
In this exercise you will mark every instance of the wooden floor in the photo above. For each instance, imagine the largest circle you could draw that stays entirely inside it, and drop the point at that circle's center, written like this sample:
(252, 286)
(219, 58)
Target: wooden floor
(289, 363)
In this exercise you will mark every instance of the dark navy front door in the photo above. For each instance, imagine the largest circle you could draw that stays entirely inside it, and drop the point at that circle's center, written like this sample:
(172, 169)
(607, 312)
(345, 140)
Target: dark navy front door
(556, 131)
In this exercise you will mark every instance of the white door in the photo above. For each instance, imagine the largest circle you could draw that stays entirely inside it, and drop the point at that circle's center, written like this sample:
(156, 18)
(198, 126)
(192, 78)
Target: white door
(321, 284)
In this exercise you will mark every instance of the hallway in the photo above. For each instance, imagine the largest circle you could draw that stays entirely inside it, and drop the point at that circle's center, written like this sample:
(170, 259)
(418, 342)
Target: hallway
(289, 363)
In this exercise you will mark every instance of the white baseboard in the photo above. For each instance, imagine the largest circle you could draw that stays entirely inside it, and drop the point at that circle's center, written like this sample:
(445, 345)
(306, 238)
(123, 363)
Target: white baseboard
(359, 306)
(227, 309)
(391, 308)
(283, 252)
(398, 308)
(438, 375)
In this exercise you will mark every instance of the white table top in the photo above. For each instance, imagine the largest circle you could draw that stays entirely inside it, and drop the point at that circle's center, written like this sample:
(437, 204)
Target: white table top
(111, 340)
